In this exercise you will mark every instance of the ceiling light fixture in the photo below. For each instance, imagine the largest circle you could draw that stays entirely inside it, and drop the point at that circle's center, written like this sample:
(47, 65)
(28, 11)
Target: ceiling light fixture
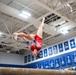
(62, 22)
(24, 14)
(64, 32)
(1, 33)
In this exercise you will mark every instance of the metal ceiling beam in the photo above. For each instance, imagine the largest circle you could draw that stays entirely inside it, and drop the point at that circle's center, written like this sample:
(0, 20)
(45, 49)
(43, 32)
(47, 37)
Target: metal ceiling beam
(67, 2)
(5, 38)
(6, 44)
(54, 11)
(6, 26)
(34, 21)
(9, 45)
(12, 12)
(55, 40)
(26, 7)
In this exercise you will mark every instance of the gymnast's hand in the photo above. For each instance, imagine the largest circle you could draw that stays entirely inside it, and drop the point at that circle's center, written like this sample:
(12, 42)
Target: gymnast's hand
(15, 36)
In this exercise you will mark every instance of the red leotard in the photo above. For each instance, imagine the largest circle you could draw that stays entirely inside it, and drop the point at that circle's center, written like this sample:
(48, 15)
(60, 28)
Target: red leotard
(39, 40)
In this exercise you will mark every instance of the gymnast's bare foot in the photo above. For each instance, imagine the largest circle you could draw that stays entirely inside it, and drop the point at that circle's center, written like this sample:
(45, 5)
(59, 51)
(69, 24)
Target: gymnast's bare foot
(43, 19)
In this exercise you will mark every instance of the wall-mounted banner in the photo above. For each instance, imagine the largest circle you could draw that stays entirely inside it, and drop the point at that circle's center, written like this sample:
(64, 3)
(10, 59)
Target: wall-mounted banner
(66, 45)
(46, 64)
(38, 65)
(41, 54)
(25, 59)
(60, 47)
(42, 65)
(57, 63)
(63, 61)
(32, 58)
(29, 58)
(74, 58)
(68, 59)
(55, 50)
(45, 52)
(50, 51)
(72, 43)
(51, 64)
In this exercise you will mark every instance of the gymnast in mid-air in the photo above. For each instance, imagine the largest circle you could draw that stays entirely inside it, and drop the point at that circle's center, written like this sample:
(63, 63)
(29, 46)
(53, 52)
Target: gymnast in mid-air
(36, 38)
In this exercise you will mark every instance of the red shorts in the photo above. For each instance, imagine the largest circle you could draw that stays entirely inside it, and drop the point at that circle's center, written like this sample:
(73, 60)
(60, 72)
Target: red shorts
(39, 40)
